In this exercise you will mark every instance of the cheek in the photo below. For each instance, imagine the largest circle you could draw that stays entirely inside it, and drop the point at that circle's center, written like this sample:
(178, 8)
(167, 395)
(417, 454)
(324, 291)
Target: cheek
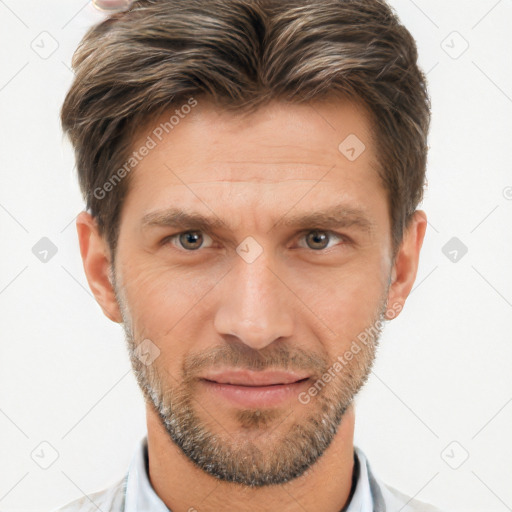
(158, 307)
(348, 299)
(165, 302)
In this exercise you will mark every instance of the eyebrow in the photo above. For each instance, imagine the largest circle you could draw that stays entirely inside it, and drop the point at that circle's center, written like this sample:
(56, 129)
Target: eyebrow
(176, 218)
(339, 216)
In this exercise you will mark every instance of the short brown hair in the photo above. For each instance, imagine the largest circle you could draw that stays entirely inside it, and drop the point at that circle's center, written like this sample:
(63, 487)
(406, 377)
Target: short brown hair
(137, 64)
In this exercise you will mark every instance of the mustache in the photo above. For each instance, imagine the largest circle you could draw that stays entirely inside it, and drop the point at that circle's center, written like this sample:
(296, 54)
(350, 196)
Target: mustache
(237, 355)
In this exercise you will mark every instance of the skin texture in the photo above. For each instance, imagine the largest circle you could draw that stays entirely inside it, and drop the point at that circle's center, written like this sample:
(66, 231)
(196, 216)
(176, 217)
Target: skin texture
(293, 307)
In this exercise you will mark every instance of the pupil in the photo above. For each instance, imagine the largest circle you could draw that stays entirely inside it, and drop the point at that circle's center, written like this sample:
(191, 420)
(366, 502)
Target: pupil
(318, 238)
(189, 239)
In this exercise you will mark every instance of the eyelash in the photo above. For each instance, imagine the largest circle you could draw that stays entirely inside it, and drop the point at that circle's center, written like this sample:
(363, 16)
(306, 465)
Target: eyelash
(345, 239)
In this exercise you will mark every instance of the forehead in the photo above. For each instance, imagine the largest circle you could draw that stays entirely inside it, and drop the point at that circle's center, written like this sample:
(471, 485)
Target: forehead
(277, 151)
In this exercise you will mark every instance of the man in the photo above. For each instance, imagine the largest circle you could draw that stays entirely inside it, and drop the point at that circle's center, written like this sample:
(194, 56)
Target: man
(251, 171)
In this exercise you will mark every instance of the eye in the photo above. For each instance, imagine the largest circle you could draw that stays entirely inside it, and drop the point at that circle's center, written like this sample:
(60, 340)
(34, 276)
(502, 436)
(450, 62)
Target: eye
(188, 240)
(318, 239)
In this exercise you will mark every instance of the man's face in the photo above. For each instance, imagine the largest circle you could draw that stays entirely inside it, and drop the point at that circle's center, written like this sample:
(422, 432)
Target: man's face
(258, 290)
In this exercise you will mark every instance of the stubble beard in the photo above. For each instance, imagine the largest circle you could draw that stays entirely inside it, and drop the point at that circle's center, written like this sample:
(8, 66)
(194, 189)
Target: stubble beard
(258, 453)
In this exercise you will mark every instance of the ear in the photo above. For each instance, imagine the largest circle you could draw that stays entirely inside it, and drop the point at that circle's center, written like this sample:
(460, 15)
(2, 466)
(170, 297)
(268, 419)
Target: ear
(96, 259)
(405, 265)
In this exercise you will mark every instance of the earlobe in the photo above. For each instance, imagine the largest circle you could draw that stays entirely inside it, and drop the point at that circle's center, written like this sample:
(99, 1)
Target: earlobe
(96, 262)
(405, 268)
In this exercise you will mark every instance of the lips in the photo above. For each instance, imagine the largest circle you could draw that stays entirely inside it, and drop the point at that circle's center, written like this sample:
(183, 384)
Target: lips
(255, 378)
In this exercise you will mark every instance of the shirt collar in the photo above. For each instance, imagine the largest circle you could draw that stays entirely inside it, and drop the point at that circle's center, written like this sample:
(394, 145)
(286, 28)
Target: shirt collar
(362, 497)
(141, 497)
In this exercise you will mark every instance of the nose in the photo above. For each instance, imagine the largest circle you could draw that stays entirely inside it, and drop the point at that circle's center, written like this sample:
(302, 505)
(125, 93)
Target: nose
(255, 304)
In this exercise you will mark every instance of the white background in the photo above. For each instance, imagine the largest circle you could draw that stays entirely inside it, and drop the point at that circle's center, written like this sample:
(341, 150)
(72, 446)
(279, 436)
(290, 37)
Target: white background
(443, 373)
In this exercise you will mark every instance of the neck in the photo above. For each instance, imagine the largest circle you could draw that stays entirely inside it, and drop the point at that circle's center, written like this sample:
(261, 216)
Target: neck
(184, 487)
